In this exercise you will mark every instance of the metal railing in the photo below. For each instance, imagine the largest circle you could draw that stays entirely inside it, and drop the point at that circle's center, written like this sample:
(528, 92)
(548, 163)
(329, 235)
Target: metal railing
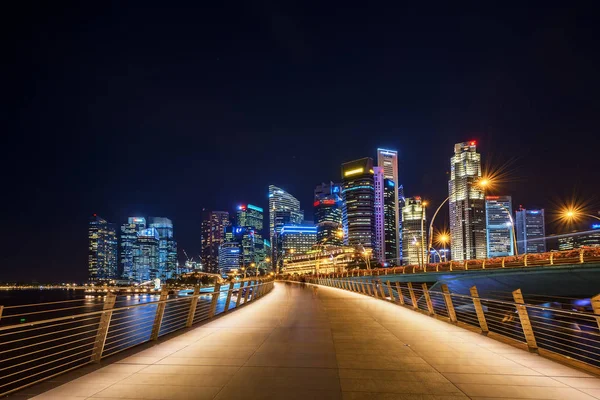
(564, 334)
(60, 336)
(578, 256)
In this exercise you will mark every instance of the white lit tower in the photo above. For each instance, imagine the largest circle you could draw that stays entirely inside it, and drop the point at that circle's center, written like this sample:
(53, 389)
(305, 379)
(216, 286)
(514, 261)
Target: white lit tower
(467, 204)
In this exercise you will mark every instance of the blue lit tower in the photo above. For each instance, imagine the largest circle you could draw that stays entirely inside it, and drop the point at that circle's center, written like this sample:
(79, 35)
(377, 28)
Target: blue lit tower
(129, 233)
(251, 218)
(212, 236)
(146, 255)
(358, 194)
(401, 204)
(531, 231)
(328, 214)
(102, 250)
(284, 209)
(167, 258)
(499, 235)
(387, 160)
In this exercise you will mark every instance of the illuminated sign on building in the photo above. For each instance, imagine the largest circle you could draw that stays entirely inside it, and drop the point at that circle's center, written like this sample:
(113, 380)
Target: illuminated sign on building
(355, 171)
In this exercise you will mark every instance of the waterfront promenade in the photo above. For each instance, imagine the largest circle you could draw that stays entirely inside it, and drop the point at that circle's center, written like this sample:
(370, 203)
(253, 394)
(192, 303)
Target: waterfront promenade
(309, 342)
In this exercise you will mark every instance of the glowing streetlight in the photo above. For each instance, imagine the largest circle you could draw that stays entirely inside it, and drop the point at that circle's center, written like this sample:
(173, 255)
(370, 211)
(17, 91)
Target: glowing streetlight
(574, 214)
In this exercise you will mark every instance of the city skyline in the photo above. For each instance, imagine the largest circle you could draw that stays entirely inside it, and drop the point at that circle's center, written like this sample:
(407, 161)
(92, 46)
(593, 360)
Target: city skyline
(215, 106)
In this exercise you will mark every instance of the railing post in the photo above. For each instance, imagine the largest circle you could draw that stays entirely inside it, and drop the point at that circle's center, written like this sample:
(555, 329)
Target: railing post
(374, 283)
(109, 304)
(525, 260)
(250, 289)
(193, 304)
(596, 307)
(214, 300)
(412, 295)
(400, 295)
(450, 265)
(1, 309)
(428, 299)
(381, 289)
(502, 262)
(525, 323)
(479, 310)
(581, 251)
(551, 258)
(238, 301)
(449, 305)
(389, 286)
(362, 287)
(229, 293)
(160, 311)
(369, 288)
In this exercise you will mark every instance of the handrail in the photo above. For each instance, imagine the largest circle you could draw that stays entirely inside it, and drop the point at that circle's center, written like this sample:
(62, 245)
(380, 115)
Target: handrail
(568, 335)
(32, 360)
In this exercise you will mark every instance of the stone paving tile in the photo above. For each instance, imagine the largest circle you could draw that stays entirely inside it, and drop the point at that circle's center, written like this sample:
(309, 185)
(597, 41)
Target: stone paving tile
(523, 392)
(157, 392)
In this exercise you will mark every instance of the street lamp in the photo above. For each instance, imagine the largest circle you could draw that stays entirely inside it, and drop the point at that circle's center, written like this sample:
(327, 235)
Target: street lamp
(442, 239)
(574, 214)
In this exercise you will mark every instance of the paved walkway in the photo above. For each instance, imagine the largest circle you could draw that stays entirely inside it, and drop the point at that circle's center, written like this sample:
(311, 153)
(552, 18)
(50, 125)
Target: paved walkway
(324, 343)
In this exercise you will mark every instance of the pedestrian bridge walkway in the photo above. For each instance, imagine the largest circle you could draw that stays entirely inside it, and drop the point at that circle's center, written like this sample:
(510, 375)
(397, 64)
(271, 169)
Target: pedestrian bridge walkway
(314, 342)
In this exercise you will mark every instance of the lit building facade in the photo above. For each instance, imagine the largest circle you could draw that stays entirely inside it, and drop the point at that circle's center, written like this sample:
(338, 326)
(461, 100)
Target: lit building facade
(467, 204)
(297, 239)
(129, 233)
(379, 250)
(250, 242)
(401, 203)
(283, 209)
(167, 247)
(102, 250)
(576, 240)
(250, 215)
(358, 212)
(229, 257)
(146, 255)
(531, 231)
(328, 214)
(499, 225)
(414, 233)
(390, 226)
(388, 160)
(213, 235)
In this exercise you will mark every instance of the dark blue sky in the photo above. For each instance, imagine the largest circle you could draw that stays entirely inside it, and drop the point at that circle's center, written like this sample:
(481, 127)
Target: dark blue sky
(130, 108)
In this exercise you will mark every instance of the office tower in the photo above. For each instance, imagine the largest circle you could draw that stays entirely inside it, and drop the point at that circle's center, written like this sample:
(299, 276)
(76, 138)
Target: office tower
(250, 215)
(390, 230)
(283, 209)
(499, 223)
(297, 239)
(249, 241)
(213, 235)
(401, 202)
(146, 253)
(129, 233)
(229, 257)
(531, 231)
(167, 248)
(414, 234)
(379, 250)
(467, 204)
(575, 240)
(328, 214)
(358, 194)
(102, 250)
(388, 160)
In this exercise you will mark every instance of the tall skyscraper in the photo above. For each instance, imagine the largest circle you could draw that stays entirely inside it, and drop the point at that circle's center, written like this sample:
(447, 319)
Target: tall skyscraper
(250, 215)
(284, 209)
(358, 194)
(102, 250)
(328, 214)
(499, 223)
(401, 203)
(467, 204)
(229, 257)
(129, 233)
(531, 231)
(390, 226)
(414, 232)
(213, 235)
(388, 160)
(146, 255)
(167, 247)
(379, 250)
(249, 241)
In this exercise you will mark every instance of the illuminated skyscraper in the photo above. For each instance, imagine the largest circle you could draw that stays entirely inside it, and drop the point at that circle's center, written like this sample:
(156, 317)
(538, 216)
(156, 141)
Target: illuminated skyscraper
(390, 229)
(167, 247)
(102, 254)
(284, 209)
(467, 204)
(531, 231)
(388, 160)
(358, 194)
(498, 213)
(414, 234)
(379, 250)
(229, 257)
(401, 202)
(146, 255)
(250, 215)
(213, 235)
(328, 214)
(129, 233)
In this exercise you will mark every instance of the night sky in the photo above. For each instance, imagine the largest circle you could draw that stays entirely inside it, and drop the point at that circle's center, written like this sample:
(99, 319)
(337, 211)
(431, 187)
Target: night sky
(125, 108)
